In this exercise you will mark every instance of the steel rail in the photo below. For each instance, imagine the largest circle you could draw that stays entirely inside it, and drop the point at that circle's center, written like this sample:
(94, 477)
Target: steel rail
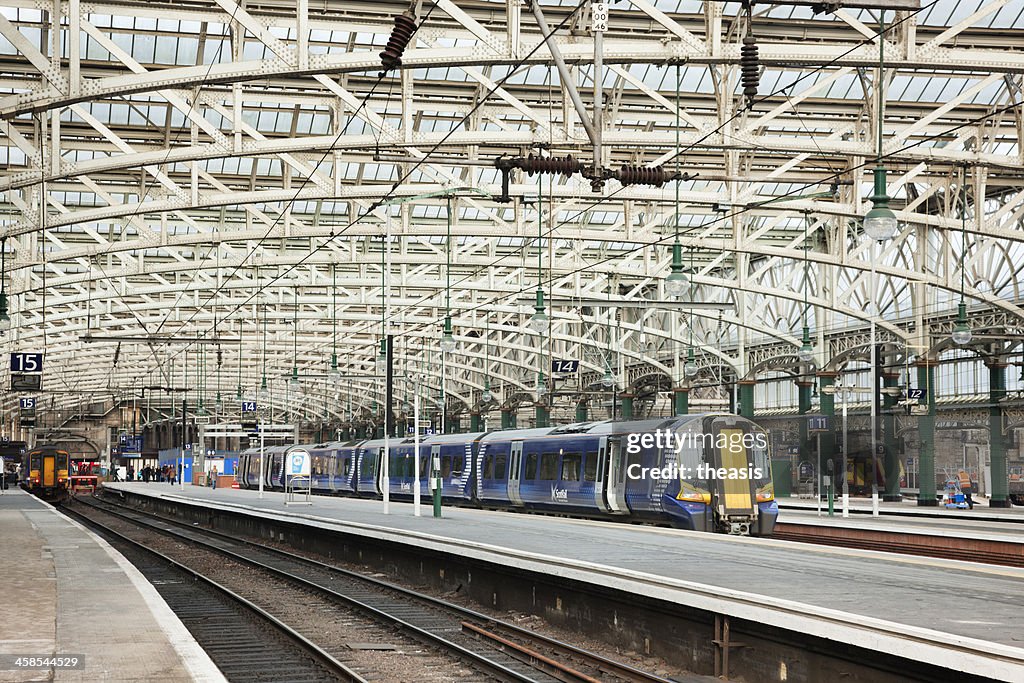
(567, 650)
(339, 669)
(467, 654)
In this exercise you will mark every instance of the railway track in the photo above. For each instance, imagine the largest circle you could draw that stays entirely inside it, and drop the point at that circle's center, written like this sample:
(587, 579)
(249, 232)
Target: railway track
(502, 650)
(243, 640)
(923, 545)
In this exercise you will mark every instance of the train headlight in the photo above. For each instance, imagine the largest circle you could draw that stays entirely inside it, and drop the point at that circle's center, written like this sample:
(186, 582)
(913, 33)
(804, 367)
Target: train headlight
(766, 494)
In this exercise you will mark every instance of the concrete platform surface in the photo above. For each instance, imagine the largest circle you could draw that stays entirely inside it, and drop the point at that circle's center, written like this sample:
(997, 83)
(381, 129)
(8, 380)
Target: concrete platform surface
(861, 507)
(961, 615)
(963, 527)
(67, 592)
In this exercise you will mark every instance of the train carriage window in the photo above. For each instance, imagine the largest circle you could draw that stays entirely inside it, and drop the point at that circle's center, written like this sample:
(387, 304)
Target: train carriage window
(590, 466)
(549, 466)
(456, 466)
(571, 466)
(369, 464)
(489, 467)
(501, 466)
(446, 466)
(531, 467)
(346, 468)
(424, 465)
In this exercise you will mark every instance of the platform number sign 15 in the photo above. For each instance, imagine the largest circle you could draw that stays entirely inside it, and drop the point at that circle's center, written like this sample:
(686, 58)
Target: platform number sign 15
(599, 17)
(248, 406)
(28, 403)
(26, 362)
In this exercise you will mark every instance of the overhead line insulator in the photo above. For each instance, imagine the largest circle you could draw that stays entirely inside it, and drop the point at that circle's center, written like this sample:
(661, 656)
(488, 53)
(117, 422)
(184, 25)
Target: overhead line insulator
(401, 34)
(750, 68)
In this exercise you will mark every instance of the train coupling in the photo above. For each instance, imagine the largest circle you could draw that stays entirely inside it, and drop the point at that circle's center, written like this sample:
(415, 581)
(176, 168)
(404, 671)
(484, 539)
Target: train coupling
(739, 526)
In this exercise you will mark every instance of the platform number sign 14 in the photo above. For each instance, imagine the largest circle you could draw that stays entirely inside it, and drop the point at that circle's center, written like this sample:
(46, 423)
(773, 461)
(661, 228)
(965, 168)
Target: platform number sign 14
(26, 362)
(599, 17)
(562, 366)
(248, 406)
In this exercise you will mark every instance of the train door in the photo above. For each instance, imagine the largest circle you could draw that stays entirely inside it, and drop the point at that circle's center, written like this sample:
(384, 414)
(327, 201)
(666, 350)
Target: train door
(515, 469)
(615, 479)
(732, 496)
(49, 469)
(380, 470)
(600, 494)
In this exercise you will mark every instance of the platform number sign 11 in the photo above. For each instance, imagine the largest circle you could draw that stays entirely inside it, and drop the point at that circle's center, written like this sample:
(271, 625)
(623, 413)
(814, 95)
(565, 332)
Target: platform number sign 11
(599, 17)
(248, 406)
(26, 362)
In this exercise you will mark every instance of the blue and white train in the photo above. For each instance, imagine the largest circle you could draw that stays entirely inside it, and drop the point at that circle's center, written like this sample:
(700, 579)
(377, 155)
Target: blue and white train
(713, 474)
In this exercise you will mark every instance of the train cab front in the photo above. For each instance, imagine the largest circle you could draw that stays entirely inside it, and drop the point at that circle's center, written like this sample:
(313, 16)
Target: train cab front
(739, 477)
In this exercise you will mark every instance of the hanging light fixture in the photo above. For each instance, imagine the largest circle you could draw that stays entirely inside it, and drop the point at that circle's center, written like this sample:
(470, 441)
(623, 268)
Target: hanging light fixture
(447, 340)
(538, 322)
(880, 222)
(334, 375)
(263, 395)
(690, 367)
(542, 385)
(294, 379)
(608, 381)
(381, 362)
(485, 396)
(676, 283)
(962, 330)
(5, 319)
(806, 352)
(238, 387)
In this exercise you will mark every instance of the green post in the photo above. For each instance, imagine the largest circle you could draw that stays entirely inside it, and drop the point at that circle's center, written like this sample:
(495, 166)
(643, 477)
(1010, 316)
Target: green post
(926, 434)
(999, 495)
(626, 412)
(681, 400)
(747, 397)
(803, 393)
(581, 412)
(831, 494)
(475, 422)
(889, 440)
(543, 415)
(437, 494)
(827, 439)
(506, 421)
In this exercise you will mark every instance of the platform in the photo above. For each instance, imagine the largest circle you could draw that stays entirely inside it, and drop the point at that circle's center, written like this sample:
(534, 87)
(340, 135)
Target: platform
(67, 592)
(861, 507)
(885, 602)
(974, 528)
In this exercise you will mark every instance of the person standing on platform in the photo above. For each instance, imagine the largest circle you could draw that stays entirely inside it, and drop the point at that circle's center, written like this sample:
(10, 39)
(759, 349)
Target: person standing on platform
(967, 488)
(213, 477)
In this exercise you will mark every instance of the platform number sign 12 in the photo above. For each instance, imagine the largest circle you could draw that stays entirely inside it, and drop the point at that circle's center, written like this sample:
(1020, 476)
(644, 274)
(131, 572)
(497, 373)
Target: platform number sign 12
(26, 362)
(599, 17)
(248, 406)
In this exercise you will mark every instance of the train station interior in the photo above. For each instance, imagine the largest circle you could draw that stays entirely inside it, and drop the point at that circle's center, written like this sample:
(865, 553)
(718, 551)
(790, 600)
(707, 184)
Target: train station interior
(468, 255)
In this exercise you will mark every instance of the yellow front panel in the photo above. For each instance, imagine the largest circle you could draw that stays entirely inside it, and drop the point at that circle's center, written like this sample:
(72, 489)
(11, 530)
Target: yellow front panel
(49, 476)
(734, 455)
